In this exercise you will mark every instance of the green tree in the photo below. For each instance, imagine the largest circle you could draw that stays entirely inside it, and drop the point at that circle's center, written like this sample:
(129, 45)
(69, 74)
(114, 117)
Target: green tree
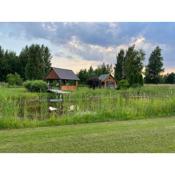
(154, 67)
(32, 63)
(91, 72)
(38, 62)
(83, 76)
(23, 59)
(46, 59)
(103, 69)
(14, 79)
(119, 67)
(9, 63)
(134, 66)
(170, 78)
(1, 63)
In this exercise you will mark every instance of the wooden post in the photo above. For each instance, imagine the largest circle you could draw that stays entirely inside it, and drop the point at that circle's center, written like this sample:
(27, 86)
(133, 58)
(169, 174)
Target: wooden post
(76, 84)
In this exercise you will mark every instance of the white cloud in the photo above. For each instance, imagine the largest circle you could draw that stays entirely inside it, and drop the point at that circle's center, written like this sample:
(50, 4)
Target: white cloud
(77, 49)
(76, 52)
(77, 55)
(50, 27)
(142, 43)
(90, 43)
(138, 41)
(74, 64)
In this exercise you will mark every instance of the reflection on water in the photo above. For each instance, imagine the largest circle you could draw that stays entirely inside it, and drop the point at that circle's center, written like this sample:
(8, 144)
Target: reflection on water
(45, 106)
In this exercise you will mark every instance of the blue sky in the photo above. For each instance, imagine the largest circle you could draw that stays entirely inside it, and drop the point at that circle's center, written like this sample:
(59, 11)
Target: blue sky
(80, 45)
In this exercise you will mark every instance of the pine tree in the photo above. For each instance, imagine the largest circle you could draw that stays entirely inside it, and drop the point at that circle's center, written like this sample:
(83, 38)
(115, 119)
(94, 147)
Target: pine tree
(103, 69)
(83, 76)
(119, 67)
(154, 67)
(134, 66)
(23, 59)
(38, 62)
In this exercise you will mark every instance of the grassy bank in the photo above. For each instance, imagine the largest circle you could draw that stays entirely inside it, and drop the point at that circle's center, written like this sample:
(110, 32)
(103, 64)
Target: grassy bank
(20, 109)
(17, 101)
(146, 135)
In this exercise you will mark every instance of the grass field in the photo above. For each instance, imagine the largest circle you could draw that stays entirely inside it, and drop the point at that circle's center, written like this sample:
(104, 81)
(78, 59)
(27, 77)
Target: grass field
(145, 135)
(22, 109)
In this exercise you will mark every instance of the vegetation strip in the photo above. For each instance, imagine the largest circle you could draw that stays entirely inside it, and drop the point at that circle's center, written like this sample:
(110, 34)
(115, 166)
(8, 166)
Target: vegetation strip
(147, 135)
(19, 108)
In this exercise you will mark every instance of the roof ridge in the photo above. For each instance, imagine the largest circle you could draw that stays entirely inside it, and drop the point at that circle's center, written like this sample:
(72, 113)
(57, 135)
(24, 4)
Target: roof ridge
(65, 73)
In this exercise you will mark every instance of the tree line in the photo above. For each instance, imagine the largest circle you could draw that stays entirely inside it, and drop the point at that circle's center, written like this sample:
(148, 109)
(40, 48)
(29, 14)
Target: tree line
(32, 63)
(129, 68)
(85, 74)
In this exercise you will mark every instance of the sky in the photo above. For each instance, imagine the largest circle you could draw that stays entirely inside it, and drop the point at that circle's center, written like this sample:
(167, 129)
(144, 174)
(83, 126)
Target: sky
(81, 45)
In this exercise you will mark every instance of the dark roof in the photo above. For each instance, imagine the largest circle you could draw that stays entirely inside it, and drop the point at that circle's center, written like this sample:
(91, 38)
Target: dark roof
(65, 74)
(103, 77)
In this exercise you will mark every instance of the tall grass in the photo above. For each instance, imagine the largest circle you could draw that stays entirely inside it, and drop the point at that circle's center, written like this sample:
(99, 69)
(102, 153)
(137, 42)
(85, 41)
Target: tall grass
(89, 106)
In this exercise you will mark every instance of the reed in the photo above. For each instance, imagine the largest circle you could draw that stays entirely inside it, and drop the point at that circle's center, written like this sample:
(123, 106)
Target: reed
(87, 106)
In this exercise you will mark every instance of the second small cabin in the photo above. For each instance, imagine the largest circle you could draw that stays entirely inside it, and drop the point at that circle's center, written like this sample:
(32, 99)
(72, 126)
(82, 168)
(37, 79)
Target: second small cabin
(107, 81)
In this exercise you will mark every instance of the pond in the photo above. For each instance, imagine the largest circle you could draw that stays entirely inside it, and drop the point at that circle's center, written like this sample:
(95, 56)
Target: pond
(44, 106)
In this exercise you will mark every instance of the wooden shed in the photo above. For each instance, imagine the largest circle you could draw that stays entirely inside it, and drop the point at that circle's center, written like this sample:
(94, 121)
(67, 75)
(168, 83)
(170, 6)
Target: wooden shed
(107, 81)
(66, 79)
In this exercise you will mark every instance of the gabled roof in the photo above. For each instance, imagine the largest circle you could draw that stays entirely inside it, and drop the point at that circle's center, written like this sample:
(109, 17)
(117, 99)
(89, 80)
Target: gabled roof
(103, 77)
(65, 74)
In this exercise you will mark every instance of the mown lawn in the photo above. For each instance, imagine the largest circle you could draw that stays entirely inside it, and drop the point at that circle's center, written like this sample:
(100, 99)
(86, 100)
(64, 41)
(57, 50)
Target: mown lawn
(146, 135)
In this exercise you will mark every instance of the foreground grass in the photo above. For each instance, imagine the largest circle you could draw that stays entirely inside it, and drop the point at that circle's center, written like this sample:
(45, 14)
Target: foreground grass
(147, 135)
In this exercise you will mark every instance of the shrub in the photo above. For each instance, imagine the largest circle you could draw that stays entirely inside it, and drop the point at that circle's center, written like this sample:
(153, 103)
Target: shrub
(27, 85)
(14, 79)
(123, 84)
(93, 82)
(36, 86)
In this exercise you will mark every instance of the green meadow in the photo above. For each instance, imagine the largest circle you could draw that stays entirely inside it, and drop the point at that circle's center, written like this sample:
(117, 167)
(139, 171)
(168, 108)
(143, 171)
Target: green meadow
(20, 109)
(100, 120)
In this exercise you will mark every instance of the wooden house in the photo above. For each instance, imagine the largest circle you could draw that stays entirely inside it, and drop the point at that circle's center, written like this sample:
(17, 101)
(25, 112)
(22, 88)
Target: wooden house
(107, 81)
(66, 79)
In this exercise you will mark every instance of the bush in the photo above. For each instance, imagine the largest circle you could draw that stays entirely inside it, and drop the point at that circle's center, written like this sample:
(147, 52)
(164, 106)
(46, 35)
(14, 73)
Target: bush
(170, 78)
(123, 84)
(14, 79)
(93, 82)
(36, 86)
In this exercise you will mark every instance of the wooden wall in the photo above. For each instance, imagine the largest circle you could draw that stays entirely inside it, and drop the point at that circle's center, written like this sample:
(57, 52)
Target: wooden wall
(110, 82)
(52, 75)
(68, 87)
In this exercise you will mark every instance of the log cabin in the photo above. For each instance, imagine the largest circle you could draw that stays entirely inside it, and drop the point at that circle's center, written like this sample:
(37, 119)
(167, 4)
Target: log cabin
(66, 79)
(107, 81)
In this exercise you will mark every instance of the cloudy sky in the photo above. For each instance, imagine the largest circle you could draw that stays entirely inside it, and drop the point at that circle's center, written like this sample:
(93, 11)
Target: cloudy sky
(79, 45)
